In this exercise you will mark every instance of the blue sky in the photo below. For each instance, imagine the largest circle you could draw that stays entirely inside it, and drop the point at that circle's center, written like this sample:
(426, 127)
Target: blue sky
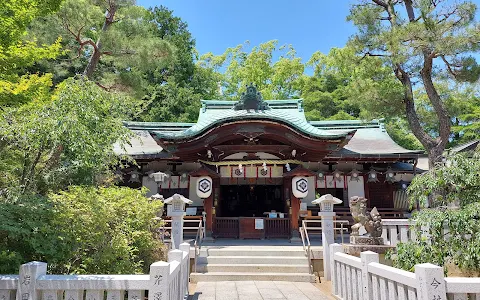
(308, 25)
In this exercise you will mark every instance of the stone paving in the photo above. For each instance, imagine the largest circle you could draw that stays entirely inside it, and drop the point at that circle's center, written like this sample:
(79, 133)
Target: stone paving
(257, 290)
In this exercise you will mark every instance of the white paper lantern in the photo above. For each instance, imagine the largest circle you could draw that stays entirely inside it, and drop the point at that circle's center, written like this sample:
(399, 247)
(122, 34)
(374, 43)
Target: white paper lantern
(204, 186)
(159, 176)
(300, 186)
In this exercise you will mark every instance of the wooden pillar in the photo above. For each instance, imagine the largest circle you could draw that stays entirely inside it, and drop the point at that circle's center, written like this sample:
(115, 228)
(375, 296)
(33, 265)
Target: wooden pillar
(366, 188)
(295, 202)
(208, 203)
(390, 203)
(207, 207)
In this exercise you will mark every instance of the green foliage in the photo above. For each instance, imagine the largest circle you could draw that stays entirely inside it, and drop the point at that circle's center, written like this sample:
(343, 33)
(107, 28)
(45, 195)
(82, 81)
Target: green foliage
(398, 129)
(457, 178)
(108, 230)
(325, 94)
(16, 15)
(280, 79)
(175, 91)
(412, 253)
(118, 53)
(415, 46)
(172, 103)
(451, 238)
(67, 140)
(25, 232)
(17, 86)
(175, 31)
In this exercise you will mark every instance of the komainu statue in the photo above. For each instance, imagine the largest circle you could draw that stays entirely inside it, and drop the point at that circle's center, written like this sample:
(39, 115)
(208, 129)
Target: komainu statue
(371, 221)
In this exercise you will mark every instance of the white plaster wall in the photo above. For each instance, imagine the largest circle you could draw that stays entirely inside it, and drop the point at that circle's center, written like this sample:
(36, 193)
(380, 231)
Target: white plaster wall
(197, 201)
(150, 184)
(404, 177)
(311, 192)
(356, 188)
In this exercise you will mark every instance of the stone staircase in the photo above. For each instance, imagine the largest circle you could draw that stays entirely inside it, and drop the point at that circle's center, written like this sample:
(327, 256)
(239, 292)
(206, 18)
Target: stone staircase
(252, 263)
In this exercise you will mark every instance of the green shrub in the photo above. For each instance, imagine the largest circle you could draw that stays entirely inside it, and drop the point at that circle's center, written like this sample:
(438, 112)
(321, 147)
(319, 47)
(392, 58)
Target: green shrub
(454, 239)
(451, 228)
(81, 230)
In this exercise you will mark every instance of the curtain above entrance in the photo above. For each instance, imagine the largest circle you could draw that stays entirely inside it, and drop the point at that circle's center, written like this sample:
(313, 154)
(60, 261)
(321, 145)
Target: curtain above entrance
(250, 171)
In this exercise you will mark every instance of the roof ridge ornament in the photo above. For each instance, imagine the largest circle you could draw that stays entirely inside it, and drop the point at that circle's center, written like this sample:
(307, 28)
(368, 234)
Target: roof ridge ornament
(251, 99)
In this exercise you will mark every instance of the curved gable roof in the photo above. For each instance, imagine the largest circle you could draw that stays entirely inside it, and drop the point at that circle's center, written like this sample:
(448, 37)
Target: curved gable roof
(289, 112)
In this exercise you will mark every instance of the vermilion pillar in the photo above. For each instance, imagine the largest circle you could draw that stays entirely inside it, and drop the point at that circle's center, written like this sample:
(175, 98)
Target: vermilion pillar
(295, 203)
(208, 203)
(207, 207)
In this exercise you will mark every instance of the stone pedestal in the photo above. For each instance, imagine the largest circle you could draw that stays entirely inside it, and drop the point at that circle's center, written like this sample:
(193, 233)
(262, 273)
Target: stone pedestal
(355, 250)
(365, 240)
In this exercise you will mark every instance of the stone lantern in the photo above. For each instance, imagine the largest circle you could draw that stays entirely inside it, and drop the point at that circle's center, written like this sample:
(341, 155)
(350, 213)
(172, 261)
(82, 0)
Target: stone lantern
(326, 203)
(177, 203)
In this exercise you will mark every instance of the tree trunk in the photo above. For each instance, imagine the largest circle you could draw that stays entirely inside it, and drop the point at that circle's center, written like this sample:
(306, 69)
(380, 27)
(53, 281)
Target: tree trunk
(433, 146)
(93, 62)
(97, 51)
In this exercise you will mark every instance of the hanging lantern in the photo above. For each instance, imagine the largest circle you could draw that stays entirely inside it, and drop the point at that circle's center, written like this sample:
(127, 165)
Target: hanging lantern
(320, 175)
(372, 176)
(169, 176)
(354, 175)
(337, 175)
(403, 184)
(158, 176)
(300, 186)
(134, 176)
(204, 187)
(390, 175)
(184, 177)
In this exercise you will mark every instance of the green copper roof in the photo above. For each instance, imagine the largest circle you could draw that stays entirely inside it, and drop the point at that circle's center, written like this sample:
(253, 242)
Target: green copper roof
(289, 112)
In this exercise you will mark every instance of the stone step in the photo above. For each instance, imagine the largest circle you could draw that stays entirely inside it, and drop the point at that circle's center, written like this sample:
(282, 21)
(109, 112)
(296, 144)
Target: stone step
(253, 268)
(284, 260)
(255, 252)
(249, 276)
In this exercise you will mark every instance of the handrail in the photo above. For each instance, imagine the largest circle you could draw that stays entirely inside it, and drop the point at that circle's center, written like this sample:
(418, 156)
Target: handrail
(306, 239)
(198, 243)
(200, 232)
(341, 222)
(304, 235)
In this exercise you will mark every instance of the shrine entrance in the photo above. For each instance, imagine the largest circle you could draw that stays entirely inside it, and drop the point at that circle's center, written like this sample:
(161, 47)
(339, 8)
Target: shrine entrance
(252, 210)
(251, 200)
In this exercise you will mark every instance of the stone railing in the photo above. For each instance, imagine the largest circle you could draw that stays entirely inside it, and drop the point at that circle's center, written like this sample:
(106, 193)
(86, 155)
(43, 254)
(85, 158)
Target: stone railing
(397, 230)
(364, 278)
(166, 281)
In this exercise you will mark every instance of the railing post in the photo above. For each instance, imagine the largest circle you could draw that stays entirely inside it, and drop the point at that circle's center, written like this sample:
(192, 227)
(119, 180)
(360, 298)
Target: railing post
(327, 240)
(177, 255)
(366, 258)
(334, 248)
(159, 277)
(185, 247)
(431, 282)
(27, 278)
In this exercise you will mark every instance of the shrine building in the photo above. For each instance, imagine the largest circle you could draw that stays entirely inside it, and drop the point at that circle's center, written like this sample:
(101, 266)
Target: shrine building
(258, 158)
